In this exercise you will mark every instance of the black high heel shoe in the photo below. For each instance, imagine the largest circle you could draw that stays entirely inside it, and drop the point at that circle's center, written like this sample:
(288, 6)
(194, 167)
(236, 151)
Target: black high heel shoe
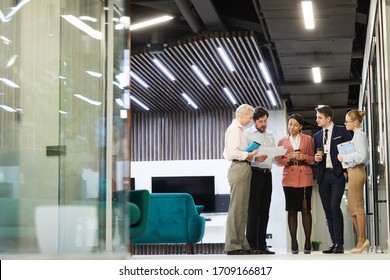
(307, 249)
(294, 248)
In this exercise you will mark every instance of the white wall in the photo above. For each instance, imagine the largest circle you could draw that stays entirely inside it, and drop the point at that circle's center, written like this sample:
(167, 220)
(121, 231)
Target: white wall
(144, 171)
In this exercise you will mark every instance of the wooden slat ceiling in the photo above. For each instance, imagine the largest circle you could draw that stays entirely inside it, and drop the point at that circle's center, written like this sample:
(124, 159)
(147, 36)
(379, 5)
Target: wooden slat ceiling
(246, 83)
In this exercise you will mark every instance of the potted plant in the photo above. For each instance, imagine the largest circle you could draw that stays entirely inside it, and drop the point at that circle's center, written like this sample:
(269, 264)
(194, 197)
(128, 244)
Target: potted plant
(316, 245)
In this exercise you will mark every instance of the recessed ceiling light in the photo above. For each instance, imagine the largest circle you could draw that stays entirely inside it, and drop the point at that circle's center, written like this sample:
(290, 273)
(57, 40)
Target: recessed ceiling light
(316, 74)
(307, 8)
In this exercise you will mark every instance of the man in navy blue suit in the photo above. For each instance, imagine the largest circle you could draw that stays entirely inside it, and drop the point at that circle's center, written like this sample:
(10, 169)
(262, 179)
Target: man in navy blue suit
(331, 175)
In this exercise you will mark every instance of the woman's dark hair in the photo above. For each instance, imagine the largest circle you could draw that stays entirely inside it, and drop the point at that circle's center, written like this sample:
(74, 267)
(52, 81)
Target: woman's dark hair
(259, 113)
(297, 117)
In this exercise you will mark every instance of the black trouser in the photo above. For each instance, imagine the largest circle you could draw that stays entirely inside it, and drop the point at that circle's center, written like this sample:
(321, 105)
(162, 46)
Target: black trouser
(331, 192)
(258, 208)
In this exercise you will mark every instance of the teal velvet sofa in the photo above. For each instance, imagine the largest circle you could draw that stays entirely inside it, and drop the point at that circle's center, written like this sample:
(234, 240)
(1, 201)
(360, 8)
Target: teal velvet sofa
(173, 219)
(139, 212)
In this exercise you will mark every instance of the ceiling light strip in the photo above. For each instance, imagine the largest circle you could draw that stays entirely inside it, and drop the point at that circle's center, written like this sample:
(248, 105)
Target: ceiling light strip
(200, 74)
(256, 55)
(152, 104)
(246, 81)
(149, 95)
(189, 100)
(207, 52)
(138, 79)
(182, 66)
(139, 102)
(164, 69)
(262, 85)
(214, 98)
(158, 84)
(225, 58)
(271, 86)
(188, 55)
(242, 79)
(230, 95)
(271, 96)
(252, 83)
(229, 79)
(265, 72)
(177, 86)
(150, 22)
(316, 74)
(308, 16)
(182, 62)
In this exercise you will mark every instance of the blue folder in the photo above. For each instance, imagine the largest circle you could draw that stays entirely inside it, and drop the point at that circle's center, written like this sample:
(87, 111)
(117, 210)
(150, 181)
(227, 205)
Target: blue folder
(252, 146)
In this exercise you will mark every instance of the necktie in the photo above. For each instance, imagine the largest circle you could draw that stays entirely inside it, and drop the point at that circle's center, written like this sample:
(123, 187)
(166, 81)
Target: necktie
(326, 136)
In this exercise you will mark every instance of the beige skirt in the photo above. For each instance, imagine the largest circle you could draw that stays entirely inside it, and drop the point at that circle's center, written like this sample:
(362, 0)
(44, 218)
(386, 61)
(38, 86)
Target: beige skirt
(356, 180)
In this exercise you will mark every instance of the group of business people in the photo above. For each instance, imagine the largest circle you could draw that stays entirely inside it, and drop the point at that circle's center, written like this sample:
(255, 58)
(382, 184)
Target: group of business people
(250, 179)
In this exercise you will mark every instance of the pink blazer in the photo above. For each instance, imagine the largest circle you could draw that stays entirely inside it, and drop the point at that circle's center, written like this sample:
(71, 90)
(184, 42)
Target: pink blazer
(293, 175)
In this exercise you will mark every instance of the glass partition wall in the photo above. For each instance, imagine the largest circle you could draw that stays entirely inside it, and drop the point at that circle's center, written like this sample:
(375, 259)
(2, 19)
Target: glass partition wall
(58, 62)
(374, 99)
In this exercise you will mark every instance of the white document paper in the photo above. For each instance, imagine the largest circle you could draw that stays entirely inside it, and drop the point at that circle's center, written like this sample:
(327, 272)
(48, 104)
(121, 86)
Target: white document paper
(272, 151)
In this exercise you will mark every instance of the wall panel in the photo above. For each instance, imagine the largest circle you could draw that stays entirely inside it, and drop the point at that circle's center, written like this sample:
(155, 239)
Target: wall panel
(179, 136)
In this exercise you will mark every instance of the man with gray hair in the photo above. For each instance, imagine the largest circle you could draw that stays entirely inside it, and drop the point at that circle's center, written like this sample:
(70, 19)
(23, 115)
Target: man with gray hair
(239, 177)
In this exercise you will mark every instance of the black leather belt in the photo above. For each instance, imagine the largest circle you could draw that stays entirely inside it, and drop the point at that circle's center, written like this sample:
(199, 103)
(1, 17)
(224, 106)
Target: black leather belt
(329, 169)
(246, 161)
(297, 162)
(263, 170)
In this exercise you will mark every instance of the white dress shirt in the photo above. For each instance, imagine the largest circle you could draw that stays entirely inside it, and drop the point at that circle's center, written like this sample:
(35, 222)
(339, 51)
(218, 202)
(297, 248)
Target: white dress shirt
(327, 146)
(266, 139)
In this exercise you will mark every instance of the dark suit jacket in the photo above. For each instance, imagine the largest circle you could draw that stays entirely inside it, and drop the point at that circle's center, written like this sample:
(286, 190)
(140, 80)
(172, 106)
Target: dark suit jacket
(339, 135)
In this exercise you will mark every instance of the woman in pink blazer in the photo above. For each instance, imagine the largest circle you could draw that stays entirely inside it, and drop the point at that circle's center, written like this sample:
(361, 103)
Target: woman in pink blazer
(297, 179)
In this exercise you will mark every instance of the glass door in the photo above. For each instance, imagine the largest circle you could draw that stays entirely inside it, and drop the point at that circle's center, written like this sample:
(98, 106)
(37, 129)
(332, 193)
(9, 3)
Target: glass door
(56, 108)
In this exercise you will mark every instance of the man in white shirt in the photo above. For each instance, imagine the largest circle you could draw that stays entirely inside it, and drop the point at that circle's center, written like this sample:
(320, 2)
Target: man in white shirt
(261, 184)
